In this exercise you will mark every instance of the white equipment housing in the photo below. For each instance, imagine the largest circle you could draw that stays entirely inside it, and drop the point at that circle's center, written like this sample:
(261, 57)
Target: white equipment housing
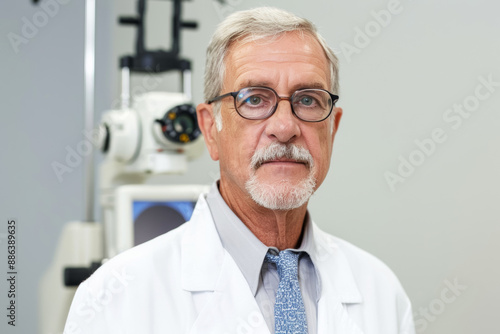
(155, 134)
(80, 244)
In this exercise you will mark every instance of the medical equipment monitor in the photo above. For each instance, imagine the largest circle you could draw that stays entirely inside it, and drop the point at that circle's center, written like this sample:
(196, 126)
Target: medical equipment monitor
(153, 218)
(143, 212)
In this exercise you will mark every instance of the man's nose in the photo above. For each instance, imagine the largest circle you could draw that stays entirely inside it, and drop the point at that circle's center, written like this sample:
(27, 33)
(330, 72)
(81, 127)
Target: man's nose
(283, 125)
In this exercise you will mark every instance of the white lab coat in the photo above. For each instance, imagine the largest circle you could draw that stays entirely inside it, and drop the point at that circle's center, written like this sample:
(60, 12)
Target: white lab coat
(186, 282)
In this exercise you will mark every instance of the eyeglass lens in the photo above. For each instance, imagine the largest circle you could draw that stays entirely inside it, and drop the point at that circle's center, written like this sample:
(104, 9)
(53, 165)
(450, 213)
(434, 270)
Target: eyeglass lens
(259, 103)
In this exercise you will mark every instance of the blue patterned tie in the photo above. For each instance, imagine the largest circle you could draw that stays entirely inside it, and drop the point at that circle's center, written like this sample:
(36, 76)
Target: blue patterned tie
(289, 311)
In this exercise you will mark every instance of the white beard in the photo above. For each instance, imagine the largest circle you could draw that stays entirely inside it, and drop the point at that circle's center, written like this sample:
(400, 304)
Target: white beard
(283, 194)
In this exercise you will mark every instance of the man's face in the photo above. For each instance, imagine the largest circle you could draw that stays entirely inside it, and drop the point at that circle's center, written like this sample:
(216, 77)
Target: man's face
(286, 64)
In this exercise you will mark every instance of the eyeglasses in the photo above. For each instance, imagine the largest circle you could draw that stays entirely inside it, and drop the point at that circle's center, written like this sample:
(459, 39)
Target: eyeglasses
(309, 105)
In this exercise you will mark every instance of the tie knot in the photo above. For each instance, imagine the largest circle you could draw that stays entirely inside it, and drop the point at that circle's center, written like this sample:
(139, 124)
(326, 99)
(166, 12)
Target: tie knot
(287, 263)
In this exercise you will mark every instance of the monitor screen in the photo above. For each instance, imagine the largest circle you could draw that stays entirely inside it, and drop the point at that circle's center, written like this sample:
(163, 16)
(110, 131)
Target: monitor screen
(142, 212)
(153, 218)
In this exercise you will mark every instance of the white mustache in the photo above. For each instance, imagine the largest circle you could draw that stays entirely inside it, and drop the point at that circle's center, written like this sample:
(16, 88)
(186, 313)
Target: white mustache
(280, 151)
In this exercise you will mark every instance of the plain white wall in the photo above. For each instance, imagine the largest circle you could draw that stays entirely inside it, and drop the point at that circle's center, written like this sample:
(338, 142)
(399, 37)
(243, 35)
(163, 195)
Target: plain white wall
(437, 227)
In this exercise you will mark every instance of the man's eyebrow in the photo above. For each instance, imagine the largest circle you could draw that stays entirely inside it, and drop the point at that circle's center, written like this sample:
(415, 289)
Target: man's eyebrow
(316, 85)
(252, 83)
(309, 85)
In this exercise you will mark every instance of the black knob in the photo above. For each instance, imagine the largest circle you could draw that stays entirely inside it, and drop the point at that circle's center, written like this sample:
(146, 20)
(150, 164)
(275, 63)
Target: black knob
(73, 276)
(129, 20)
(189, 24)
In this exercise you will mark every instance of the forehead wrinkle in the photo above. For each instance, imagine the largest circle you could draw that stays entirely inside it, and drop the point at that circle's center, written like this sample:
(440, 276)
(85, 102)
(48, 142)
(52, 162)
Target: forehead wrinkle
(293, 88)
(276, 58)
(243, 58)
(251, 74)
(309, 79)
(307, 53)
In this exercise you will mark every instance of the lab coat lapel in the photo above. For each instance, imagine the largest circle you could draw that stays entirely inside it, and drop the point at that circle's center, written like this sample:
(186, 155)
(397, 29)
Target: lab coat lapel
(232, 307)
(226, 303)
(338, 286)
(201, 251)
(333, 317)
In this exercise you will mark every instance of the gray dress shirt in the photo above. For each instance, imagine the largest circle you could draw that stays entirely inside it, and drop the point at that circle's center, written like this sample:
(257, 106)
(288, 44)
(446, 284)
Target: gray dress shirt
(248, 252)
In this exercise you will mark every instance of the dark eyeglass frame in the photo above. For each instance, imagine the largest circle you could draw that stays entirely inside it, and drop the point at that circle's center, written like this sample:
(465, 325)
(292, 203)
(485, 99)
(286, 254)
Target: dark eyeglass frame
(334, 98)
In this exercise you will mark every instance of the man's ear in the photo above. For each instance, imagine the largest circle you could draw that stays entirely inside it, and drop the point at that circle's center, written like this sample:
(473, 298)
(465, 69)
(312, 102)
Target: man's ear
(206, 122)
(337, 115)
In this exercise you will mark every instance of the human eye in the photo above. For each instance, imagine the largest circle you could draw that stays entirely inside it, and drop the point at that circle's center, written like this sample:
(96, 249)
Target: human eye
(310, 100)
(307, 100)
(253, 98)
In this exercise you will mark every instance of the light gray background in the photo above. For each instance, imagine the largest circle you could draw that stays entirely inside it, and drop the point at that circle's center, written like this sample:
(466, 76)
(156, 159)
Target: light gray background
(439, 226)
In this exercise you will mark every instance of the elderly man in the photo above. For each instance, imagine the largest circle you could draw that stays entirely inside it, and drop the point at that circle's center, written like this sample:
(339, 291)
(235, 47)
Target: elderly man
(251, 260)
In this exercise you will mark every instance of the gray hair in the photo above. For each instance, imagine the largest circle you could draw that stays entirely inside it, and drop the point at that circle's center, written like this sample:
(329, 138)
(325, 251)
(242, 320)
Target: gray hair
(255, 24)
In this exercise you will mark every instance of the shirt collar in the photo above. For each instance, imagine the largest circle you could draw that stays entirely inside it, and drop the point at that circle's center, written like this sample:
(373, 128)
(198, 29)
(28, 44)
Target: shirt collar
(244, 247)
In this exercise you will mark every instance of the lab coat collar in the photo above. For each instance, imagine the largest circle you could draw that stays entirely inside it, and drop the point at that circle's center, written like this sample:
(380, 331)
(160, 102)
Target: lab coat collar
(207, 268)
(338, 286)
(335, 272)
(203, 256)
(202, 253)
